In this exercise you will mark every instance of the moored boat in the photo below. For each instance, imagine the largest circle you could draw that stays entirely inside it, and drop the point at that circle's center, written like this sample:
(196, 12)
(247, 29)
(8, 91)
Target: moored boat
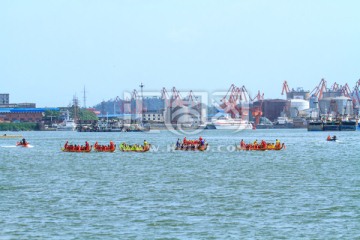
(228, 123)
(332, 125)
(10, 136)
(315, 125)
(67, 125)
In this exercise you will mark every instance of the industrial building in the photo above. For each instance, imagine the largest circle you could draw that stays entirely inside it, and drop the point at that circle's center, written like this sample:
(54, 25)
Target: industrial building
(23, 114)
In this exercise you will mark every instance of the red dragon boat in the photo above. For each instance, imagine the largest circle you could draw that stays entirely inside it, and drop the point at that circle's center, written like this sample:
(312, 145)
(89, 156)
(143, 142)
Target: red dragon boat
(77, 148)
(104, 148)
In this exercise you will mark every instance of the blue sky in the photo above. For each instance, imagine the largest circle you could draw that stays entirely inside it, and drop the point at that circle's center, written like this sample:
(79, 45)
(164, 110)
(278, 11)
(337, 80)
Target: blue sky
(50, 50)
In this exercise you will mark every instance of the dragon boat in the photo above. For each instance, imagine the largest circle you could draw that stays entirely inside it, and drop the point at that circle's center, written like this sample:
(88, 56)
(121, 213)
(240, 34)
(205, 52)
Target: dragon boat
(81, 149)
(134, 148)
(76, 148)
(249, 147)
(104, 148)
(192, 147)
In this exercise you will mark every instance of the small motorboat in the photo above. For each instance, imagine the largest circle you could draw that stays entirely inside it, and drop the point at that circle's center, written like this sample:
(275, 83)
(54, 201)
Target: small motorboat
(22, 144)
(330, 139)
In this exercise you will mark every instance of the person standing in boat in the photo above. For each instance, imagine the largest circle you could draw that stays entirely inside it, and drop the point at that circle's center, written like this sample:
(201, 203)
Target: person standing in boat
(202, 142)
(23, 141)
(242, 143)
(277, 143)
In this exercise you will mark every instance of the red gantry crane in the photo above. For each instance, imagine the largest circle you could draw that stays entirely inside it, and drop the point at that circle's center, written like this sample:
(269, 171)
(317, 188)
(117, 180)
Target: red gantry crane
(256, 111)
(319, 89)
(285, 88)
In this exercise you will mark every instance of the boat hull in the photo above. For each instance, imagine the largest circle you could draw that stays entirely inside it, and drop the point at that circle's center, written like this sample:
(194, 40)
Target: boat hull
(332, 126)
(22, 145)
(76, 150)
(261, 149)
(188, 148)
(10, 136)
(145, 149)
(104, 150)
(229, 126)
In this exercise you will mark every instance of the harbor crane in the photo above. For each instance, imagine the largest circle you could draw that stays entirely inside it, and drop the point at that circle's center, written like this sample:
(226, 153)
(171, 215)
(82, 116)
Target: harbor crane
(165, 96)
(191, 99)
(285, 88)
(176, 98)
(355, 94)
(319, 89)
(335, 87)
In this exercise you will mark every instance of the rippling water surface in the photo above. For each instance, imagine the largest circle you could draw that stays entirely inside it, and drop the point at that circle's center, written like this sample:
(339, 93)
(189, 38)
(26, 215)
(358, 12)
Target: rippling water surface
(309, 190)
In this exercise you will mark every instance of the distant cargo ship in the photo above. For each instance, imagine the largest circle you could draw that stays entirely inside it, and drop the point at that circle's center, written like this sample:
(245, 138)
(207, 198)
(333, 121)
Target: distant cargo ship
(332, 125)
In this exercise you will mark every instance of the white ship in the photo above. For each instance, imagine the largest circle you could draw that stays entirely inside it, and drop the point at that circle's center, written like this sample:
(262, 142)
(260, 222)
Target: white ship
(228, 123)
(67, 125)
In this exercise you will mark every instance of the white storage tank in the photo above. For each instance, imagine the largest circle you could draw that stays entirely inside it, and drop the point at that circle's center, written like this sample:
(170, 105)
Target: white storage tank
(297, 105)
(344, 105)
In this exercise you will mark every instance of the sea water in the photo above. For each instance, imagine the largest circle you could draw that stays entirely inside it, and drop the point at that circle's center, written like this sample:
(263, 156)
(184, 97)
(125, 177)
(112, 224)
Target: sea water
(310, 190)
